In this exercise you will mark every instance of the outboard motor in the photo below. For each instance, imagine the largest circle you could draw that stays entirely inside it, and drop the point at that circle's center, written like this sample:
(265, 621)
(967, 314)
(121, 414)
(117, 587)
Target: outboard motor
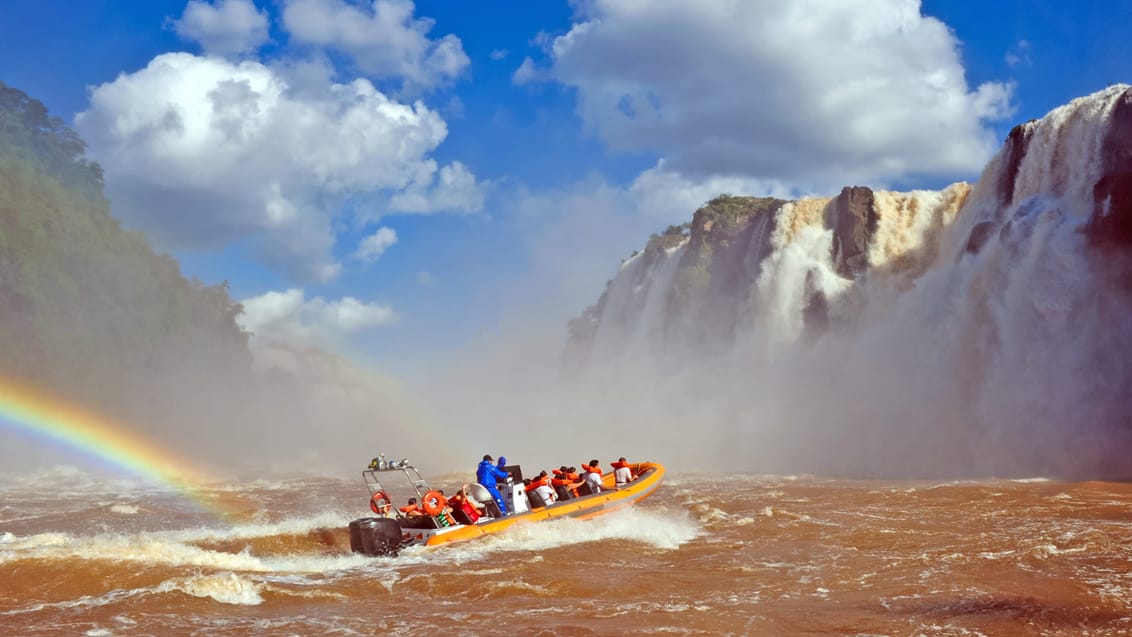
(375, 537)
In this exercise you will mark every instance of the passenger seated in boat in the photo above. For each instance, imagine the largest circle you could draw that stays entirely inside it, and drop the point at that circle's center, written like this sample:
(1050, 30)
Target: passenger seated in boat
(593, 476)
(532, 484)
(541, 487)
(412, 509)
(622, 472)
(462, 508)
(565, 483)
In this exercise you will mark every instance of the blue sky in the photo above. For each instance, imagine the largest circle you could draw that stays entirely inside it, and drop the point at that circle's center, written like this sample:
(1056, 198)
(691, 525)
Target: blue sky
(393, 180)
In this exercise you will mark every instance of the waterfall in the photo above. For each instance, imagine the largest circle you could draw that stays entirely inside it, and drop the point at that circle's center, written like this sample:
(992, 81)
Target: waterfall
(971, 329)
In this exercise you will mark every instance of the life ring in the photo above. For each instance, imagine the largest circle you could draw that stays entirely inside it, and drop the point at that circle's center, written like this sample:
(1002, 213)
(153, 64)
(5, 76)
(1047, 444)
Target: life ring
(380, 503)
(433, 503)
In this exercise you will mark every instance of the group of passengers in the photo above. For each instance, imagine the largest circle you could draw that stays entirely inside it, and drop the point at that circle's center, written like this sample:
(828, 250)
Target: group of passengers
(457, 509)
(542, 490)
(567, 481)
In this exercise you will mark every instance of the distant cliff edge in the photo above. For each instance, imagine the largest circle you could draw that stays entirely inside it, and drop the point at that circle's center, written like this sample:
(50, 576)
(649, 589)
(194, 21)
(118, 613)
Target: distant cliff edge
(977, 329)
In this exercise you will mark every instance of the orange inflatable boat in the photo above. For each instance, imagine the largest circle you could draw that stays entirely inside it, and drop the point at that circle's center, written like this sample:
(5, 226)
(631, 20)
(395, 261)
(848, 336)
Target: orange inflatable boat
(434, 519)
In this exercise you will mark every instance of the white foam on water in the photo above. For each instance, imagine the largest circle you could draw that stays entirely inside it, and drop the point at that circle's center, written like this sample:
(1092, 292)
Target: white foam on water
(653, 527)
(86, 601)
(482, 571)
(650, 527)
(124, 509)
(226, 588)
(937, 630)
(990, 555)
(14, 546)
(176, 548)
(507, 585)
(251, 530)
(708, 514)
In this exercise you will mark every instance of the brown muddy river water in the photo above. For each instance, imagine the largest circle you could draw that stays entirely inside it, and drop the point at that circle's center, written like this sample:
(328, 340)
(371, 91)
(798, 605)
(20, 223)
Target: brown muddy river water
(732, 555)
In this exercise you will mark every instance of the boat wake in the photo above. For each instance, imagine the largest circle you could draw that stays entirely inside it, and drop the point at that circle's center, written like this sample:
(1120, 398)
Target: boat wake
(652, 527)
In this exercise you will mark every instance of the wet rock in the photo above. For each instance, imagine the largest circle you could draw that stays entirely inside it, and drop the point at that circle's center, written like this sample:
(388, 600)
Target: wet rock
(1111, 220)
(1015, 149)
(815, 314)
(853, 217)
(980, 234)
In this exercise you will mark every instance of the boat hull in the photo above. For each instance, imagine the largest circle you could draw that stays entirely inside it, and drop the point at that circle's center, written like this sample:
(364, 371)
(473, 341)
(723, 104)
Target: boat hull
(611, 498)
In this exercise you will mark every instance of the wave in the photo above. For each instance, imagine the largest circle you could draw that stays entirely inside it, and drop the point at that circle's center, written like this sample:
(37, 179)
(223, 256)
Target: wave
(226, 588)
(180, 547)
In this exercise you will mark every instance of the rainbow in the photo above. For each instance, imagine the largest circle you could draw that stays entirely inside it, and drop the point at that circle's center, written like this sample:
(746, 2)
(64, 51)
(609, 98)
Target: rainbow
(29, 409)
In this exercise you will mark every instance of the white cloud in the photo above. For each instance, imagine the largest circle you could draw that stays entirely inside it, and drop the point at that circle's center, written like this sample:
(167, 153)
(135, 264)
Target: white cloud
(288, 317)
(454, 109)
(1019, 54)
(451, 188)
(383, 38)
(811, 92)
(499, 54)
(526, 73)
(424, 278)
(200, 151)
(375, 245)
(670, 197)
(228, 27)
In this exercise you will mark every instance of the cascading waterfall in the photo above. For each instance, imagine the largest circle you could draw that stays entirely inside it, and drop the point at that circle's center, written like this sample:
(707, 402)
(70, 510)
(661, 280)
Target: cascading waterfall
(965, 330)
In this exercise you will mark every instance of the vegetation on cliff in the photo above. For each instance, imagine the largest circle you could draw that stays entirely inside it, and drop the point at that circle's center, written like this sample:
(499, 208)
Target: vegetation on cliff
(716, 226)
(86, 307)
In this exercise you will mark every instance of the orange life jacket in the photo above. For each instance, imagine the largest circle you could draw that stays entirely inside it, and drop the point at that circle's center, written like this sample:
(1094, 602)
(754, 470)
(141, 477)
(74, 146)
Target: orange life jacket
(536, 483)
(618, 465)
(570, 481)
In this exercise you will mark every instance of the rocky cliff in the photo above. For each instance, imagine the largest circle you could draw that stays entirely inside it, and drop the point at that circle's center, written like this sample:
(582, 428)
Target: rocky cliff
(976, 329)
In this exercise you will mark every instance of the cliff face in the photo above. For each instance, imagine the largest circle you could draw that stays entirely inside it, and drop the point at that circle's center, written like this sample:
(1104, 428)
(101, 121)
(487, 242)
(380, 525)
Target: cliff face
(90, 314)
(966, 330)
(86, 307)
(1111, 220)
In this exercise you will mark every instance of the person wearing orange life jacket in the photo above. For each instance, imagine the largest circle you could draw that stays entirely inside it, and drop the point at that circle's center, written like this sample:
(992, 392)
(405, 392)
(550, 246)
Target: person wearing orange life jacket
(531, 485)
(463, 508)
(541, 486)
(412, 509)
(575, 479)
(565, 483)
(622, 472)
(593, 476)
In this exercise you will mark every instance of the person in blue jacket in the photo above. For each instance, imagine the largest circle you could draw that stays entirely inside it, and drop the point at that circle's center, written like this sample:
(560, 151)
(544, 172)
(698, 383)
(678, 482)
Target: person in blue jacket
(488, 474)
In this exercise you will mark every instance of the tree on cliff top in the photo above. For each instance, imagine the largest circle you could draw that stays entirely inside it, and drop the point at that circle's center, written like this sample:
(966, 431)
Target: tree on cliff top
(27, 130)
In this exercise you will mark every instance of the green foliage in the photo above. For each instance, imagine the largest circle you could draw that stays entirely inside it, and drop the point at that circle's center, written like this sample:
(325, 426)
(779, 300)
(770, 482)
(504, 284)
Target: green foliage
(670, 238)
(27, 131)
(713, 228)
(85, 305)
(726, 213)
